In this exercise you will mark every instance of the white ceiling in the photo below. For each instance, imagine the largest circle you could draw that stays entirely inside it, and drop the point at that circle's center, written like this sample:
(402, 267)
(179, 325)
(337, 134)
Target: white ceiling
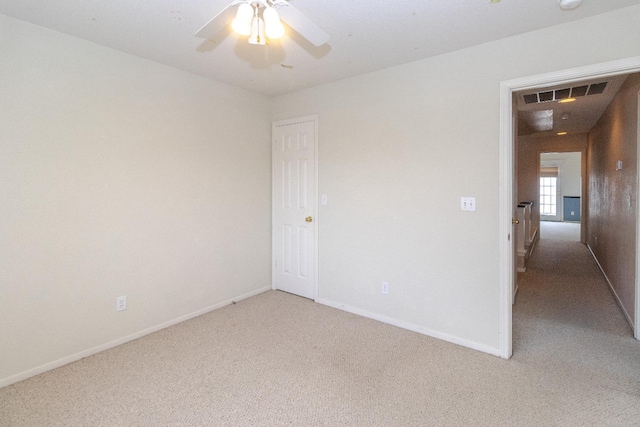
(365, 35)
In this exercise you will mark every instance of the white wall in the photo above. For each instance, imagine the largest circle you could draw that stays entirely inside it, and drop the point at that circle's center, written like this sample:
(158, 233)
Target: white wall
(120, 176)
(397, 150)
(570, 169)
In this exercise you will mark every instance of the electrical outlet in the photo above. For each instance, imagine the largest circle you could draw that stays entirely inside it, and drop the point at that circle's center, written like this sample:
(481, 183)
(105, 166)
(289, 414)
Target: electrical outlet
(121, 303)
(385, 288)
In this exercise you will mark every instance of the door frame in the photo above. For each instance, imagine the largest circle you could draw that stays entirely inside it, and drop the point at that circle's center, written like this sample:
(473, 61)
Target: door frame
(637, 307)
(506, 188)
(316, 210)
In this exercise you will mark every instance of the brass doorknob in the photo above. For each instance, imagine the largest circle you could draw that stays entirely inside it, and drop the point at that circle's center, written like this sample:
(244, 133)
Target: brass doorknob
(308, 219)
(515, 221)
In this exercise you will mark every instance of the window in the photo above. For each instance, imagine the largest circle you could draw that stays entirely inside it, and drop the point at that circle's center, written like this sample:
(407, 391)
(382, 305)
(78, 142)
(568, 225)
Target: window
(548, 193)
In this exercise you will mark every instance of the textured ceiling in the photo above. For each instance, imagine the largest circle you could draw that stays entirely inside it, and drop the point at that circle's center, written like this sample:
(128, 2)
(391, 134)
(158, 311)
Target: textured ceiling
(365, 35)
(574, 117)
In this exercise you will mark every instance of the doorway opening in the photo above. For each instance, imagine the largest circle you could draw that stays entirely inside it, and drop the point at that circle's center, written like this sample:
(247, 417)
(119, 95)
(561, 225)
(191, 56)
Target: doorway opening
(560, 195)
(508, 182)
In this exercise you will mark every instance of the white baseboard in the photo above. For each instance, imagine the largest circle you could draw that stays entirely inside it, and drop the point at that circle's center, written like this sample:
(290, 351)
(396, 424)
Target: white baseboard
(624, 311)
(411, 327)
(106, 346)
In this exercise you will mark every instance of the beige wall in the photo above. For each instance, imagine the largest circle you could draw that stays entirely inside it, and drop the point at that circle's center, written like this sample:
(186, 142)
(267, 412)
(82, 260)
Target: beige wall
(397, 150)
(119, 176)
(613, 203)
(528, 155)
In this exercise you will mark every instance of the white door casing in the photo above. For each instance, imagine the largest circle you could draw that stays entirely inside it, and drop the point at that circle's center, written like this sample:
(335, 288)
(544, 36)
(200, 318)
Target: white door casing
(294, 218)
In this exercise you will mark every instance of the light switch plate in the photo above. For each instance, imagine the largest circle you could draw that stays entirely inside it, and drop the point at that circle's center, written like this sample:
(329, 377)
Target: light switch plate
(468, 204)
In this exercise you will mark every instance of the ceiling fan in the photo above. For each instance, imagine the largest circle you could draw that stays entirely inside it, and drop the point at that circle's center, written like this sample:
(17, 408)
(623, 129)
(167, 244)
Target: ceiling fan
(260, 20)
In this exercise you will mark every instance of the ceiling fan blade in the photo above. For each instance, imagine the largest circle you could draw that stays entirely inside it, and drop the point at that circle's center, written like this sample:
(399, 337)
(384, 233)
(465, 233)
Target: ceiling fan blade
(217, 23)
(303, 25)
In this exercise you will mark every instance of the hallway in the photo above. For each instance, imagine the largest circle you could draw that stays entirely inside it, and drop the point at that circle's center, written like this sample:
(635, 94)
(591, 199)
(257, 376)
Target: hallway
(566, 321)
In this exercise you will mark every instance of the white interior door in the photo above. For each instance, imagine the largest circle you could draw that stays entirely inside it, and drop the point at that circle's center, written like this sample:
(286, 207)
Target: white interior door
(294, 206)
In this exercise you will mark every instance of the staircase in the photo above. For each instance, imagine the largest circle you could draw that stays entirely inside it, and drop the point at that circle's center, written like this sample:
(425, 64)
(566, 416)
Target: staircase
(526, 235)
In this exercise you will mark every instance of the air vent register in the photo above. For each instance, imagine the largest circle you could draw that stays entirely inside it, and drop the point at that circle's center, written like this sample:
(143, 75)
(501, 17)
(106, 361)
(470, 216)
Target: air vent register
(559, 94)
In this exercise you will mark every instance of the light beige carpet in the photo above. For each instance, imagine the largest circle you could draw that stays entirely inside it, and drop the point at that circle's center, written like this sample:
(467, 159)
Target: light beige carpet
(277, 359)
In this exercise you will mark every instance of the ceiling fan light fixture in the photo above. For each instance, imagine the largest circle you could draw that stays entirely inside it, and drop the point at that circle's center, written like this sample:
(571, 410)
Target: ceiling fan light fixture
(276, 13)
(257, 32)
(242, 22)
(273, 25)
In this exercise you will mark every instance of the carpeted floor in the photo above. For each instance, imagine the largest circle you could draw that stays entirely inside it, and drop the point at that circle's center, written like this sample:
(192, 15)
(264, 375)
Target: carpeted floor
(276, 359)
(554, 230)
